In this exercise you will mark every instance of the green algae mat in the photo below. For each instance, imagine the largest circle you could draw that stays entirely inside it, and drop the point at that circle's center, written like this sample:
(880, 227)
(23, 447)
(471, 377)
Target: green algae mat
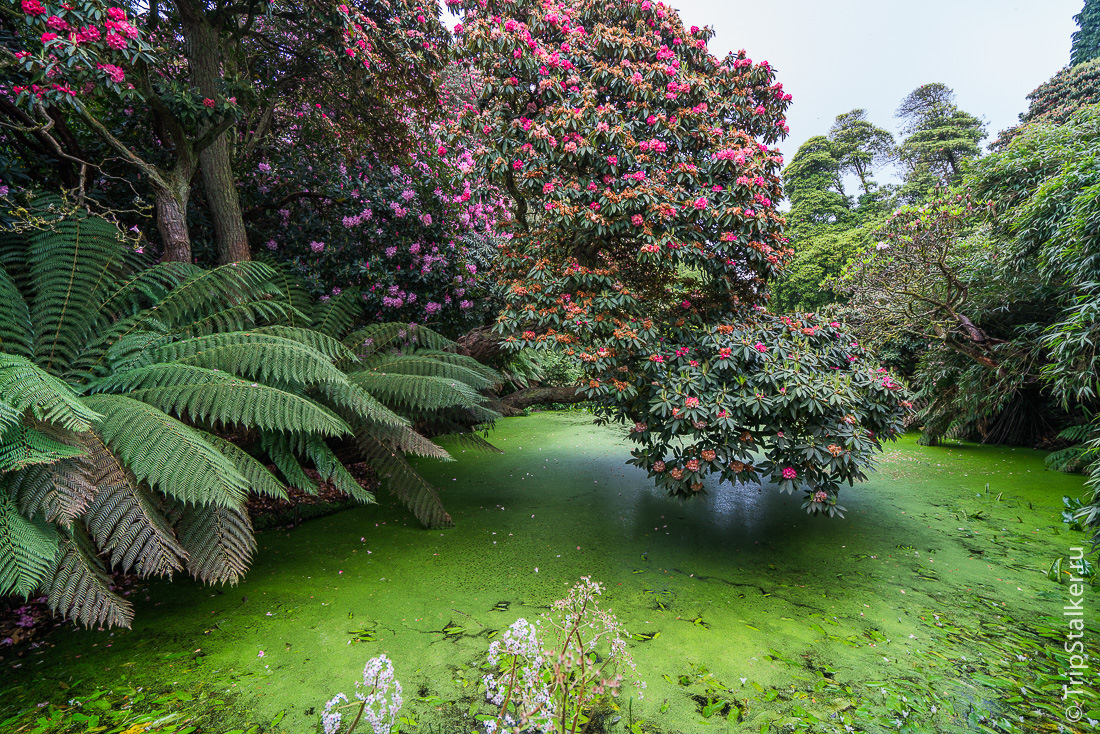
(928, 608)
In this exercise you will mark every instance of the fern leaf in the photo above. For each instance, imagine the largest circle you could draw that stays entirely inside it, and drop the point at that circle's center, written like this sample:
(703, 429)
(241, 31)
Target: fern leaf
(207, 290)
(336, 316)
(391, 336)
(219, 542)
(22, 446)
(436, 364)
(128, 527)
(27, 548)
(282, 455)
(217, 397)
(25, 386)
(416, 392)
(333, 349)
(360, 404)
(16, 330)
(249, 354)
(80, 587)
(60, 491)
(146, 287)
(408, 441)
(404, 482)
(238, 317)
(260, 480)
(73, 262)
(166, 454)
(332, 470)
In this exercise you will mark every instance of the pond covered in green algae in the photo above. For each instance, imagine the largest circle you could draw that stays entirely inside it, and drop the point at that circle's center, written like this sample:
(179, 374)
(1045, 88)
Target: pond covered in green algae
(928, 607)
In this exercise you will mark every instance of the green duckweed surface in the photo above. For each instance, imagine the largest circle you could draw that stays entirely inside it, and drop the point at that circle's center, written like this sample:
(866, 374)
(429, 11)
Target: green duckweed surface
(928, 608)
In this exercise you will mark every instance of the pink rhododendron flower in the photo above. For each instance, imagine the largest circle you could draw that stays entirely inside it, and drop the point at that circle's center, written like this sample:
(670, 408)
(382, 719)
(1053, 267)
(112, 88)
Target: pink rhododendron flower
(789, 473)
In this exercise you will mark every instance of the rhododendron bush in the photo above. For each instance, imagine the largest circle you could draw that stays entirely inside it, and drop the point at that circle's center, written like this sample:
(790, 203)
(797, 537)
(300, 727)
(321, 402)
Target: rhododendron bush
(645, 232)
(411, 236)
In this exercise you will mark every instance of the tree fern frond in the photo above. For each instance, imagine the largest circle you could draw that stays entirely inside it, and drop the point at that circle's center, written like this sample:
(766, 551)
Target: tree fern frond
(146, 287)
(217, 397)
(21, 446)
(60, 491)
(292, 292)
(404, 482)
(166, 454)
(16, 330)
(80, 587)
(332, 470)
(73, 262)
(259, 478)
(360, 404)
(336, 316)
(219, 542)
(435, 364)
(238, 317)
(127, 525)
(282, 455)
(25, 386)
(27, 548)
(406, 440)
(394, 336)
(250, 354)
(416, 392)
(207, 290)
(333, 349)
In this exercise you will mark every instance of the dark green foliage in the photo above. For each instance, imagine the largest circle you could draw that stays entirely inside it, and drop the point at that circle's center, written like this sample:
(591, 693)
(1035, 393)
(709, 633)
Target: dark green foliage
(812, 182)
(940, 138)
(1086, 40)
(860, 146)
(116, 374)
(819, 257)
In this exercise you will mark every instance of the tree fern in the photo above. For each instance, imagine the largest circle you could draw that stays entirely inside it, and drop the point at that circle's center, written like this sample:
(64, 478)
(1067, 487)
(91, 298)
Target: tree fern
(217, 397)
(404, 392)
(248, 354)
(115, 374)
(27, 548)
(404, 482)
(126, 523)
(21, 446)
(167, 454)
(26, 387)
(218, 541)
(16, 331)
(59, 492)
(431, 363)
(396, 336)
(260, 480)
(80, 587)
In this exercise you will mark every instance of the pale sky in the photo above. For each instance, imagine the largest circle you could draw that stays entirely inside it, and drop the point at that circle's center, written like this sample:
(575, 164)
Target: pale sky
(835, 55)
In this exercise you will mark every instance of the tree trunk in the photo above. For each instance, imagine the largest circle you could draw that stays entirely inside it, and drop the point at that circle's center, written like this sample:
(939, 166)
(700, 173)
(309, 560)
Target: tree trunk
(204, 59)
(230, 236)
(172, 223)
(529, 396)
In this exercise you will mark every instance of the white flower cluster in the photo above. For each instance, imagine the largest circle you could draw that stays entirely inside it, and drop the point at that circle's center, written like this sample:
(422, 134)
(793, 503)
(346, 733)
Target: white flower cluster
(382, 694)
(379, 693)
(521, 689)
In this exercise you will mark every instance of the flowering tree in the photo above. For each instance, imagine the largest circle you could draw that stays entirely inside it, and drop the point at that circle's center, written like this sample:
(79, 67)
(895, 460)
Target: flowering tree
(412, 236)
(220, 75)
(644, 235)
